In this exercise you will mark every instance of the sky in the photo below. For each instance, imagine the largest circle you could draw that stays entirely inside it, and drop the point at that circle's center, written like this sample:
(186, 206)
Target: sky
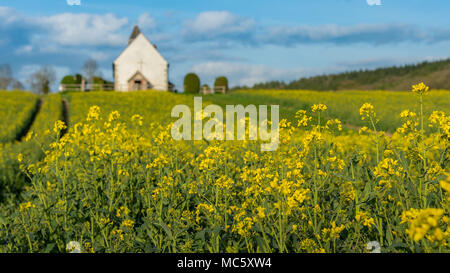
(248, 41)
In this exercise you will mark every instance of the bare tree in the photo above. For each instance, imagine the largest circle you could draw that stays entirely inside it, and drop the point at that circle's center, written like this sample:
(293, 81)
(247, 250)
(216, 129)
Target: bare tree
(17, 85)
(90, 69)
(41, 80)
(5, 76)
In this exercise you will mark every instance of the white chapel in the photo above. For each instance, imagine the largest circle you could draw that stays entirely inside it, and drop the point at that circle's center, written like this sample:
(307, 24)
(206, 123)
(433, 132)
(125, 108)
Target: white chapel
(140, 66)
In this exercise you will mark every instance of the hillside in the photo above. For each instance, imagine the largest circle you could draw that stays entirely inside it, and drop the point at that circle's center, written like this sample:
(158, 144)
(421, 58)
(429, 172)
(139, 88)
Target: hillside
(435, 74)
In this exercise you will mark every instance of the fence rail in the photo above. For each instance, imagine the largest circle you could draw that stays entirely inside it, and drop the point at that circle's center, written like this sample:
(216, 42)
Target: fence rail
(86, 87)
(218, 89)
(111, 87)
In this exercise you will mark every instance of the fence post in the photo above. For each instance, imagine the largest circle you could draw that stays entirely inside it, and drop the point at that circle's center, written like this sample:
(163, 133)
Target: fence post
(83, 84)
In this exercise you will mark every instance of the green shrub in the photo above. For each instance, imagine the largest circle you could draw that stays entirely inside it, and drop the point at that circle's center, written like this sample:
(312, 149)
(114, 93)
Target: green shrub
(221, 81)
(191, 83)
(78, 78)
(98, 80)
(69, 79)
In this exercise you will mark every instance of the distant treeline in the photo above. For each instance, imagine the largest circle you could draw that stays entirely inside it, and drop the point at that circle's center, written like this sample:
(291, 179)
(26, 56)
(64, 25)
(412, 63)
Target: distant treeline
(435, 74)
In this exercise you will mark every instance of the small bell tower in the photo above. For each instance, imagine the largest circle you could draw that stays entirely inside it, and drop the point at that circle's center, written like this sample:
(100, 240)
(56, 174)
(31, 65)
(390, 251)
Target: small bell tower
(134, 34)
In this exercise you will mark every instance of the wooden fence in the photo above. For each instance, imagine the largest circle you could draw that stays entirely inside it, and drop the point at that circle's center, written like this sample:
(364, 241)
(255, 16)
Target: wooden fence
(86, 87)
(220, 89)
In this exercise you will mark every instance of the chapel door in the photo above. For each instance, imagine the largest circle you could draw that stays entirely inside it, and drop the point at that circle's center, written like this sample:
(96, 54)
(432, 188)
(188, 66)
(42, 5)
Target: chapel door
(138, 82)
(137, 85)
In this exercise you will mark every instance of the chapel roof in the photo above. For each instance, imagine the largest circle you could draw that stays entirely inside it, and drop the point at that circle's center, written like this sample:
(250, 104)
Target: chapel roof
(134, 34)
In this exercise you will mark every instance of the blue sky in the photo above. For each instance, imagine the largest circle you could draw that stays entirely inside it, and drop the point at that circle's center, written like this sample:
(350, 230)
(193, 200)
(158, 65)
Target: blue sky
(247, 40)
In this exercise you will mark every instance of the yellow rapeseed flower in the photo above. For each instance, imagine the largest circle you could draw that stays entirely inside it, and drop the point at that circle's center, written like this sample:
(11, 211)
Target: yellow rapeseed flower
(420, 88)
(128, 223)
(366, 111)
(114, 115)
(318, 108)
(261, 211)
(445, 184)
(20, 158)
(423, 222)
(59, 125)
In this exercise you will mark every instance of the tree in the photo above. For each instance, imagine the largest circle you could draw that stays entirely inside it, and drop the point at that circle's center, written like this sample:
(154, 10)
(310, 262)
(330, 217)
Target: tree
(90, 69)
(98, 80)
(191, 83)
(221, 82)
(69, 79)
(17, 85)
(98, 83)
(5, 76)
(78, 79)
(41, 80)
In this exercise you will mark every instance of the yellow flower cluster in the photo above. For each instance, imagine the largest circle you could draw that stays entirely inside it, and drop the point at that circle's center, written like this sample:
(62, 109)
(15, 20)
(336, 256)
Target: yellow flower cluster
(59, 126)
(303, 118)
(425, 223)
(334, 232)
(318, 108)
(26, 206)
(367, 111)
(364, 218)
(420, 88)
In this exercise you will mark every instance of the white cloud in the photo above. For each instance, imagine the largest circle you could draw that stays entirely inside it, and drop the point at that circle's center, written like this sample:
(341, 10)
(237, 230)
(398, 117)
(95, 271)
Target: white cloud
(65, 29)
(71, 29)
(374, 2)
(244, 74)
(8, 16)
(362, 33)
(215, 24)
(26, 49)
(223, 26)
(98, 54)
(146, 21)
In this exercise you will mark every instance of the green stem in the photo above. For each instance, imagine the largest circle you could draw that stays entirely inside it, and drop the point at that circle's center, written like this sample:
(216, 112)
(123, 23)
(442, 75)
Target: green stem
(376, 139)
